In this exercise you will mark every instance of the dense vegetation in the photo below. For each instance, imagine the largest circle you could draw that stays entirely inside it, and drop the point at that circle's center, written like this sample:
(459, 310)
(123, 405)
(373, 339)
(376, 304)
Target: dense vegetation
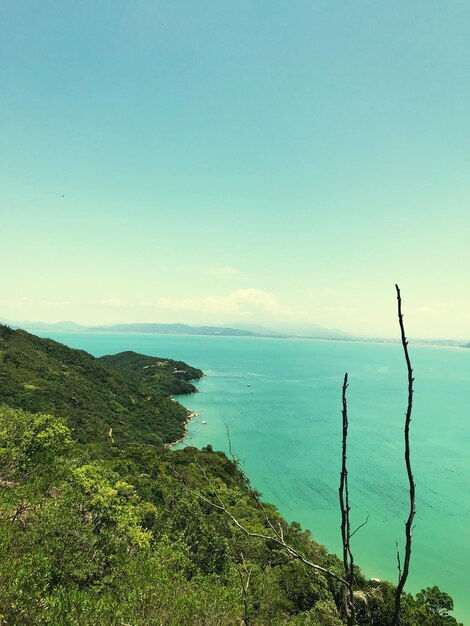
(100, 532)
(127, 393)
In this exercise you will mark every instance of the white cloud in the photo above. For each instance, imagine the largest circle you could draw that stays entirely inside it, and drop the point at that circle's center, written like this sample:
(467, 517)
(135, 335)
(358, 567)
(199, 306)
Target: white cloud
(56, 303)
(21, 301)
(24, 301)
(113, 302)
(242, 302)
(224, 272)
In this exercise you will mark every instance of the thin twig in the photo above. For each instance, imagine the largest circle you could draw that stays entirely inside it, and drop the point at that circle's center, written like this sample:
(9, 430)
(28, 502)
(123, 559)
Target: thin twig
(360, 526)
(259, 502)
(398, 561)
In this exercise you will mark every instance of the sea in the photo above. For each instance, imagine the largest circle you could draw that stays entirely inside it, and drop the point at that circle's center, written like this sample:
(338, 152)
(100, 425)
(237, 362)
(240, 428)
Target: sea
(280, 400)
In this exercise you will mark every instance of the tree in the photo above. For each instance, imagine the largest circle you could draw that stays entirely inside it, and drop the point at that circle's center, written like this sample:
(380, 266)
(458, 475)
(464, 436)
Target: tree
(348, 560)
(434, 606)
(403, 574)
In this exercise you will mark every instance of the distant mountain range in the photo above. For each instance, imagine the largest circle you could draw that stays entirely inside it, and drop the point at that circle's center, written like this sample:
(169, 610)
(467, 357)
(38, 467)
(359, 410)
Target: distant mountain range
(170, 329)
(311, 331)
(235, 330)
(242, 329)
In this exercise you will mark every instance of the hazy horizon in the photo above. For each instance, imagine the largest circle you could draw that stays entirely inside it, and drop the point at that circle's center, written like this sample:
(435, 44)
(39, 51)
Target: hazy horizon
(286, 330)
(208, 162)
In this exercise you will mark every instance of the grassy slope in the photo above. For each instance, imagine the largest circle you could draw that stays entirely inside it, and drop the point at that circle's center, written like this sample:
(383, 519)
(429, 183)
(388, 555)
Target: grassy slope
(128, 393)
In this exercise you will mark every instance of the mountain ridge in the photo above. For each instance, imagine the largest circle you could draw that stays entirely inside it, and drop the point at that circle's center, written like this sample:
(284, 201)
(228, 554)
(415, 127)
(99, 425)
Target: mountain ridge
(242, 329)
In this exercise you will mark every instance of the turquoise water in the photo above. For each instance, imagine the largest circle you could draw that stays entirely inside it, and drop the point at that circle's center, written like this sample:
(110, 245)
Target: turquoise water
(281, 400)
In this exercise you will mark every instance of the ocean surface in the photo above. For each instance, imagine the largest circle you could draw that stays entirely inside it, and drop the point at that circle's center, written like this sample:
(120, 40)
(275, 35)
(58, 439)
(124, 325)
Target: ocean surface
(281, 400)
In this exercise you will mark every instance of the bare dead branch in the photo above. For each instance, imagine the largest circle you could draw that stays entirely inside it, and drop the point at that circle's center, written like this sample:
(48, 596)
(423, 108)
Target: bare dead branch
(359, 527)
(21, 512)
(403, 575)
(348, 560)
(234, 458)
(276, 538)
(398, 561)
(253, 492)
(244, 584)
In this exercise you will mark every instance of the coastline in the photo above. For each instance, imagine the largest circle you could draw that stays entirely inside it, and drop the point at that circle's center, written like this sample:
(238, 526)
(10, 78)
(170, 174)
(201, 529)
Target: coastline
(190, 415)
(312, 370)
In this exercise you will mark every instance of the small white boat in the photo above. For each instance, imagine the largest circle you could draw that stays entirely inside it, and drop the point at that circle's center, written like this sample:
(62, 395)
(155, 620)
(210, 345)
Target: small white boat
(204, 422)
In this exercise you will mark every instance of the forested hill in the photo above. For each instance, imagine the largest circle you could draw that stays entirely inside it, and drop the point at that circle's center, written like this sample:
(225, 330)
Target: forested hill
(97, 528)
(125, 397)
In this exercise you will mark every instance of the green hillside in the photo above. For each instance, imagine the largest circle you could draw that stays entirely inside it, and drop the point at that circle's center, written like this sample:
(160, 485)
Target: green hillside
(98, 530)
(164, 376)
(127, 393)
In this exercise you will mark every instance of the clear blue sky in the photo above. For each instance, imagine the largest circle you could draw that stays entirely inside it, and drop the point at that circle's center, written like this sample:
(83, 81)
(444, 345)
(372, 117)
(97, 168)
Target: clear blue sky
(221, 161)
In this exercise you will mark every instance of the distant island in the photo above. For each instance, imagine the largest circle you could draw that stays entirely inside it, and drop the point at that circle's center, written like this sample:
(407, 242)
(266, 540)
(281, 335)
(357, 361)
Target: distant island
(282, 331)
(171, 329)
(309, 331)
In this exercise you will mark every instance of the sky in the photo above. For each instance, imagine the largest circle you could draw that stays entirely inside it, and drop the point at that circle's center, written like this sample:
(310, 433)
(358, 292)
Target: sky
(220, 162)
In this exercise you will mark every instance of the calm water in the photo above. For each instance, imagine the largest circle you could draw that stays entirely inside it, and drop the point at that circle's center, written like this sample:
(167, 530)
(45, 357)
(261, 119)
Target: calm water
(281, 400)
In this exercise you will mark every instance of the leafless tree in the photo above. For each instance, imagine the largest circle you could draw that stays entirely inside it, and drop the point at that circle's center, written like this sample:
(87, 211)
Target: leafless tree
(403, 572)
(276, 535)
(348, 560)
